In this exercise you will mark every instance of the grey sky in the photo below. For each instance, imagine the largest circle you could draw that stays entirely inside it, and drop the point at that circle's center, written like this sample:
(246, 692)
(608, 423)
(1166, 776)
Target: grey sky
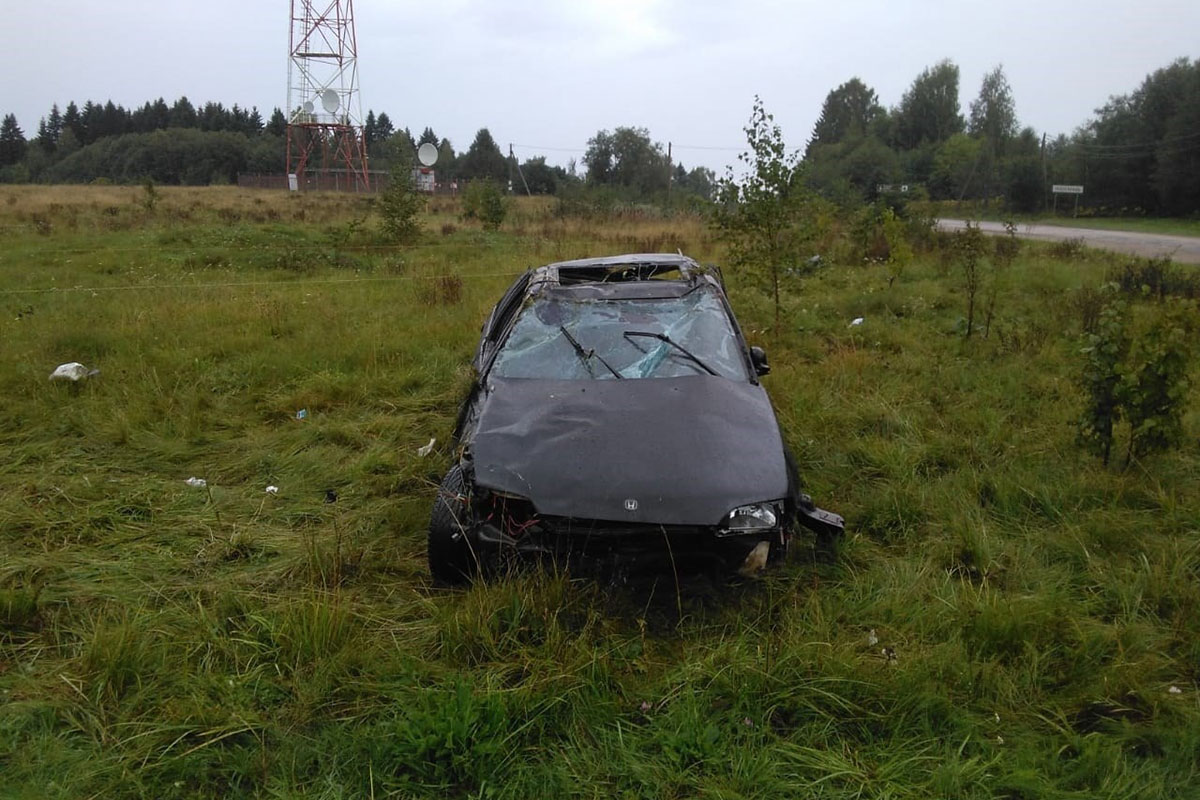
(550, 74)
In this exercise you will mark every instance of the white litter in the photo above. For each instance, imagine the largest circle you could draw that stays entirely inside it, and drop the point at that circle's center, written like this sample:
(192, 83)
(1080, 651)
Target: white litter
(272, 490)
(756, 561)
(198, 483)
(1175, 690)
(427, 449)
(73, 371)
(872, 639)
(855, 322)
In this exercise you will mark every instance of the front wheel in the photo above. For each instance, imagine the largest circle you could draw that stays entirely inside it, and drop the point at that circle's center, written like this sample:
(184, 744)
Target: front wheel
(451, 557)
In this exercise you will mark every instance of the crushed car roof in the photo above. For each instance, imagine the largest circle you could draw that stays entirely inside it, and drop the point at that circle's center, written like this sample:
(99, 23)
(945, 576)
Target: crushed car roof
(630, 275)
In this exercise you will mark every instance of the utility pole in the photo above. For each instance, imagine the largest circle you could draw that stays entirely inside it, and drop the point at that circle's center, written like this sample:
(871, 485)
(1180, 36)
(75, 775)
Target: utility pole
(513, 159)
(1045, 179)
(670, 174)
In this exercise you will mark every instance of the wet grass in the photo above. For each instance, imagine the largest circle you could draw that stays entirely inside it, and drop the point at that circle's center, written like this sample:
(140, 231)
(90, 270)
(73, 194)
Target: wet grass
(1171, 226)
(1040, 613)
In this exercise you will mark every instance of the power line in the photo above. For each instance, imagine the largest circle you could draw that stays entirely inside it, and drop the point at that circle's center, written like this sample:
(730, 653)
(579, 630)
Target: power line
(1118, 156)
(552, 149)
(709, 147)
(240, 248)
(241, 284)
(1139, 145)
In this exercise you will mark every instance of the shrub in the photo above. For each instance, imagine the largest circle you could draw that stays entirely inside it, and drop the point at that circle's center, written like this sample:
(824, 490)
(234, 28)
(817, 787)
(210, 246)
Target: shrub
(1142, 379)
(1155, 387)
(968, 250)
(1103, 352)
(1156, 277)
(399, 206)
(768, 219)
(1068, 249)
(484, 201)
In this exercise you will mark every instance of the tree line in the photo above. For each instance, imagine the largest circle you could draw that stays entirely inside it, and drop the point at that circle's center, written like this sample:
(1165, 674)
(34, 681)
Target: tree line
(1139, 154)
(184, 143)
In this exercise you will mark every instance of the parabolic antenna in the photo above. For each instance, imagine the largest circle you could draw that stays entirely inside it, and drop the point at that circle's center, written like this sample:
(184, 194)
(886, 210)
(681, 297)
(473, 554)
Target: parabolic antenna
(308, 107)
(427, 154)
(330, 100)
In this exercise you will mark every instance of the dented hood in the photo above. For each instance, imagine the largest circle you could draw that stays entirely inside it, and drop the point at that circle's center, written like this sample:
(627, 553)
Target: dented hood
(670, 451)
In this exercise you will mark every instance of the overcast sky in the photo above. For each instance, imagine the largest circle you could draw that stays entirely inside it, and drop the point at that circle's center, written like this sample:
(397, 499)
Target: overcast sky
(547, 74)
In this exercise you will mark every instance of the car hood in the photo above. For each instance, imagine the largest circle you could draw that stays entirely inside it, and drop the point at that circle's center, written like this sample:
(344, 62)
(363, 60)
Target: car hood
(669, 451)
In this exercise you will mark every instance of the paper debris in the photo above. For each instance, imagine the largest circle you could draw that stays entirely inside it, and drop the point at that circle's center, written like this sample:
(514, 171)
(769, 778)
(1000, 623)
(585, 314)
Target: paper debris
(302, 414)
(855, 322)
(73, 371)
(427, 449)
(198, 483)
(272, 490)
(872, 638)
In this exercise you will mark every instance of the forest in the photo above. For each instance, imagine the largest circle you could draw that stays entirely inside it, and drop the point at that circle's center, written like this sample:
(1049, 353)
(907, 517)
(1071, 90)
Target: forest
(1139, 154)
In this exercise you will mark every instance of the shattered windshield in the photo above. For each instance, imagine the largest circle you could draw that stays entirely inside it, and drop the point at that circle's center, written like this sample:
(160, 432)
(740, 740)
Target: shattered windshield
(564, 338)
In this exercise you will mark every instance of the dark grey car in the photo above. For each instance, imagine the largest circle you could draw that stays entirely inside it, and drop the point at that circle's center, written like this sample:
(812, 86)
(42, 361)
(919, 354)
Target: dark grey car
(617, 417)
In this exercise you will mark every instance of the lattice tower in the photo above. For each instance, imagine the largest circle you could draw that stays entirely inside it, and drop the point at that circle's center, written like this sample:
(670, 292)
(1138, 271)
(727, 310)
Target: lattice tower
(325, 131)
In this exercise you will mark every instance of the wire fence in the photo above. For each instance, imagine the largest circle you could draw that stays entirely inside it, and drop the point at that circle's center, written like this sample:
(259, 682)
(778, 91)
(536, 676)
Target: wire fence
(375, 181)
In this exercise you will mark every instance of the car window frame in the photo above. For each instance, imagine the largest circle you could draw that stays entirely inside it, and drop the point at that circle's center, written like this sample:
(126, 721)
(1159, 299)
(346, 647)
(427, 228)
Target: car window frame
(499, 320)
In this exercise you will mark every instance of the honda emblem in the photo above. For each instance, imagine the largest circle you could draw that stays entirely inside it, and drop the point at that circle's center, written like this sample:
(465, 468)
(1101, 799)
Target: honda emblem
(631, 505)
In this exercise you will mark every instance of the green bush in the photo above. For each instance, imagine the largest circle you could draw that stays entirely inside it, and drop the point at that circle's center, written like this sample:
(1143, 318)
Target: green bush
(1141, 378)
(1156, 384)
(1103, 352)
(484, 201)
(398, 207)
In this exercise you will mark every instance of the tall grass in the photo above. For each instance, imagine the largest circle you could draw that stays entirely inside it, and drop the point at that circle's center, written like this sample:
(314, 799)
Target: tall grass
(1005, 618)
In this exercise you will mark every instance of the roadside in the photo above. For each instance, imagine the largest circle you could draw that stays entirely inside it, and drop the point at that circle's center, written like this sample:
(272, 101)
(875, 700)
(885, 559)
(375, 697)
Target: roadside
(1184, 249)
(1170, 226)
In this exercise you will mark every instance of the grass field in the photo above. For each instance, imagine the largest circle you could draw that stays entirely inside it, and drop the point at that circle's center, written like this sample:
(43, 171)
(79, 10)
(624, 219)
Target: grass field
(1041, 611)
(1172, 226)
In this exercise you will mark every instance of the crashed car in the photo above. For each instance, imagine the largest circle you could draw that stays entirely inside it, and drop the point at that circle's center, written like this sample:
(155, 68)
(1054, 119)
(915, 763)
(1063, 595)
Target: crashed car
(617, 417)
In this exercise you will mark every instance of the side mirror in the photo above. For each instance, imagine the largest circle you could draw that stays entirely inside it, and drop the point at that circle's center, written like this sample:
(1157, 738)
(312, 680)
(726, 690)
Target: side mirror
(758, 357)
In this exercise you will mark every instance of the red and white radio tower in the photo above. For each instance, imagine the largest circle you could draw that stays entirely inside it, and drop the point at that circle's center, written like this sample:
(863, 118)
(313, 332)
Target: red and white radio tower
(324, 132)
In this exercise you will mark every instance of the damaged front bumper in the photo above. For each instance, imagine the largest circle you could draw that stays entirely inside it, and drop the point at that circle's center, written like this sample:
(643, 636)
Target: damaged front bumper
(508, 528)
(650, 548)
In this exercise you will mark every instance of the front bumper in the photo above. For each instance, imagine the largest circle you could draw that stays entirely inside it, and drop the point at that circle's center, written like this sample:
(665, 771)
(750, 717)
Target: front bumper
(640, 547)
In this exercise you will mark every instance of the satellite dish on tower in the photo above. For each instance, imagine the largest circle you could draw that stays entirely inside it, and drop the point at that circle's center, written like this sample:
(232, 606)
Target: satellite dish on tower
(308, 107)
(330, 101)
(427, 154)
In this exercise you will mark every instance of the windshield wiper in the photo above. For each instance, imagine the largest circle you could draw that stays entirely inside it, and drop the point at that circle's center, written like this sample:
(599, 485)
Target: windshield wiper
(662, 337)
(584, 355)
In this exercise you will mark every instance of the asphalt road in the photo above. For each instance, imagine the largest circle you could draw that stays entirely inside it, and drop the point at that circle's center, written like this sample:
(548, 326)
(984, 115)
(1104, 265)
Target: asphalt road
(1184, 249)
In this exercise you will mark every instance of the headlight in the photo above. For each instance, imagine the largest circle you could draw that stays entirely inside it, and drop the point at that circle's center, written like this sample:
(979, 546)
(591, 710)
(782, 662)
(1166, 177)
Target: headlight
(749, 519)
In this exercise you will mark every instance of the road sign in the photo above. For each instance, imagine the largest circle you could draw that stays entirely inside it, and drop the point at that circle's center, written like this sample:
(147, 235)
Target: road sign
(1060, 188)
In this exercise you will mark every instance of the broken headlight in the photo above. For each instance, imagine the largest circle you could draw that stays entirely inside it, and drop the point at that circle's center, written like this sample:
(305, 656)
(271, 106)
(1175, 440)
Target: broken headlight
(754, 518)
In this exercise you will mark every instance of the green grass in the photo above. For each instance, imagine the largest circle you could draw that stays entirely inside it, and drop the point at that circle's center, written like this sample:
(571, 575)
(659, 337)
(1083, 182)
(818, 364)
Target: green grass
(1172, 226)
(161, 640)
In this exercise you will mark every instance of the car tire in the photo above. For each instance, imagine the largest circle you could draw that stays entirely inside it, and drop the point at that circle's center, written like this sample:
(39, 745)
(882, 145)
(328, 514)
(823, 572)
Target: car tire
(451, 558)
